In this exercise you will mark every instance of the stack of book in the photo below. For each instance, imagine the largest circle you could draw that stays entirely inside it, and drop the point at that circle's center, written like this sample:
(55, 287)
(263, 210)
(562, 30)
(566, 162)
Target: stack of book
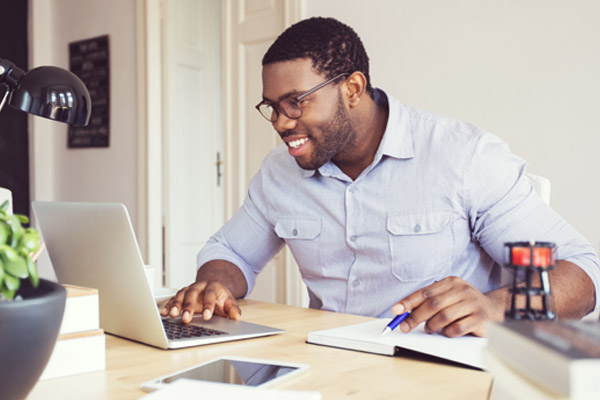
(81, 345)
(544, 359)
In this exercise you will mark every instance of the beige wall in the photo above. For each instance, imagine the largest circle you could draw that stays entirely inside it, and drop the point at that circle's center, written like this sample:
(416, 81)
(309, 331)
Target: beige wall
(527, 71)
(524, 70)
(91, 174)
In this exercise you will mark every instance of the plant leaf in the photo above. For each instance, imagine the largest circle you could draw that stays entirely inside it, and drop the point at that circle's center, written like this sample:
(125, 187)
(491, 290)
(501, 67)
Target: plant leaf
(23, 219)
(4, 206)
(4, 232)
(14, 264)
(30, 240)
(17, 230)
(34, 278)
(1, 272)
(12, 283)
(7, 293)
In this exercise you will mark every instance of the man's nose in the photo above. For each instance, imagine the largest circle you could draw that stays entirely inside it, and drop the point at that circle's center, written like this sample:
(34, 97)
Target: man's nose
(283, 123)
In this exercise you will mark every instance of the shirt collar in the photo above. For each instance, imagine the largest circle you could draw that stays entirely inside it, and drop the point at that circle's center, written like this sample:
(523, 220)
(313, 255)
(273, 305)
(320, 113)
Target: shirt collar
(307, 173)
(397, 139)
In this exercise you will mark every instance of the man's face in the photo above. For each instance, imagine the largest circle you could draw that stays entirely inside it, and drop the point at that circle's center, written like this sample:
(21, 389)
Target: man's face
(324, 131)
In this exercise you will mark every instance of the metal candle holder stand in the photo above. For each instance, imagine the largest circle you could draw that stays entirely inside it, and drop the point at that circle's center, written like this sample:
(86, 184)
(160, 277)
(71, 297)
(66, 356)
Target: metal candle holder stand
(528, 290)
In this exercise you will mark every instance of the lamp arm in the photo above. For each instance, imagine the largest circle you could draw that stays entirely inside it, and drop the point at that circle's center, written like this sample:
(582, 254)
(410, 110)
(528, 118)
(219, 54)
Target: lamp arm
(4, 96)
(10, 74)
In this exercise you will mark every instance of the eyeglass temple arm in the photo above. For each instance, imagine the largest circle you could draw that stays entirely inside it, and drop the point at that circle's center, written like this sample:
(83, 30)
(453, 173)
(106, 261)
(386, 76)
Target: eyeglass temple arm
(311, 91)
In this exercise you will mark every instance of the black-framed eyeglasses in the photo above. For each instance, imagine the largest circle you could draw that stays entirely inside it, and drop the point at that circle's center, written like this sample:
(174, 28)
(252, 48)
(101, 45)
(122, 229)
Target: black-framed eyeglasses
(290, 106)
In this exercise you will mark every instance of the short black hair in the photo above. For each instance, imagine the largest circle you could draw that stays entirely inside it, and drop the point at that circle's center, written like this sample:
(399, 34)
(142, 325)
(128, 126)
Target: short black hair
(333, 47)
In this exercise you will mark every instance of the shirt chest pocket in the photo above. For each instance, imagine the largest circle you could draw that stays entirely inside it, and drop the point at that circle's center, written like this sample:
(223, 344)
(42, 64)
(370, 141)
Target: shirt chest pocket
(421, 244)
(302, 236)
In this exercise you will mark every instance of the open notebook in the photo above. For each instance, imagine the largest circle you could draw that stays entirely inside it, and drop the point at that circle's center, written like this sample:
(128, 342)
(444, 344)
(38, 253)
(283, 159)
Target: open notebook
(366, 337)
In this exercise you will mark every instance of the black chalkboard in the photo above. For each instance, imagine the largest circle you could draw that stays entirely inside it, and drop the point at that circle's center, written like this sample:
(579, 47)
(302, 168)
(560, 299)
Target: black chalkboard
(89, 60)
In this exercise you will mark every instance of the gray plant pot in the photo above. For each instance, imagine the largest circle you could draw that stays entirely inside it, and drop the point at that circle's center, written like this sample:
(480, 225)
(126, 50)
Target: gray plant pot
(28, 333)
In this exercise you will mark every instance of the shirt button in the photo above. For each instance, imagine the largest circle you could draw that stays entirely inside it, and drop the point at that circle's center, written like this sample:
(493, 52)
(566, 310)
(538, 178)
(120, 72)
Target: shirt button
(295, 232)
(353, 238)
(355, 283)
(352, 189)
(417, 228)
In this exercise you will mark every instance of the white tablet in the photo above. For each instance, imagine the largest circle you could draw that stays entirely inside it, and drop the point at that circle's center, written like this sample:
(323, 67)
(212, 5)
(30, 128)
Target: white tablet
(233, 370)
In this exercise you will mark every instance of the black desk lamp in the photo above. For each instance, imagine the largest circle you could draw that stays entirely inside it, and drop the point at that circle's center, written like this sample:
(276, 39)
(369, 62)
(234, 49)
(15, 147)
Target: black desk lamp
(49, 92)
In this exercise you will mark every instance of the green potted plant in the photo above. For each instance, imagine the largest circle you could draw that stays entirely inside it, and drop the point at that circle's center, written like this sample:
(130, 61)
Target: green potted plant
(31, 309)
(18, 246)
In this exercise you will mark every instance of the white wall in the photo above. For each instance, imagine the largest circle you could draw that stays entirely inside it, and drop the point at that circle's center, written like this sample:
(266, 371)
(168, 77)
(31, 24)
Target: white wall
(90, 174)
(524, 70)
(527, 71)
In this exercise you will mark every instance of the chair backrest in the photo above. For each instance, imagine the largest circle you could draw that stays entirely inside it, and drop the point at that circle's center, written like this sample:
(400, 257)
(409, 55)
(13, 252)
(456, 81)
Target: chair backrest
(541, 185)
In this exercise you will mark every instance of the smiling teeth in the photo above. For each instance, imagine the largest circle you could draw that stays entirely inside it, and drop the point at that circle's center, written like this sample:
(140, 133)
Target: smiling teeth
(297, 143)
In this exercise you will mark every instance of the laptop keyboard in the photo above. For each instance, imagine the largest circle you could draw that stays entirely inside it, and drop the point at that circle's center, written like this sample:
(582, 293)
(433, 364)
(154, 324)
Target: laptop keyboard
(179, 330)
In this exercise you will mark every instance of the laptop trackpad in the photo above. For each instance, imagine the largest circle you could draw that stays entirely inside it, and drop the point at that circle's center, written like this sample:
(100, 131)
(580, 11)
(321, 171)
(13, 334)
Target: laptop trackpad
(232, 327)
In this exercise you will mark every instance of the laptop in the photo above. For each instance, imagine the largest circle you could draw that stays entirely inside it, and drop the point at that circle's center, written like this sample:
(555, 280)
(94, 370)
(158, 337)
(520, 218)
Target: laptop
(93, 245)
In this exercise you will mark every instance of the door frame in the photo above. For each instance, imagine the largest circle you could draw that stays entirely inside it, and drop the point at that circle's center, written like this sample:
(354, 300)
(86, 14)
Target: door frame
(149, 154)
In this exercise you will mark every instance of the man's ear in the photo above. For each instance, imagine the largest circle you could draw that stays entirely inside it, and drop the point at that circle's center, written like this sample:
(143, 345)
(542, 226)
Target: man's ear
(356, 86)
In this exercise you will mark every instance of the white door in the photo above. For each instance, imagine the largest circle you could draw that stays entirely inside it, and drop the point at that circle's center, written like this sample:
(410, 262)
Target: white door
(192, 190)
(250, 28)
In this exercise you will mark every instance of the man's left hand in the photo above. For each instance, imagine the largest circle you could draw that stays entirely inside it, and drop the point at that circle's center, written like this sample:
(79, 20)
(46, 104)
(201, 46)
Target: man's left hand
(452, 307)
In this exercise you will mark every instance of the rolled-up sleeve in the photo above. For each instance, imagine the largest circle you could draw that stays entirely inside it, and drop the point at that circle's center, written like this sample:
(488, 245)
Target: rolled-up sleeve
(504, 208)
(247, 240)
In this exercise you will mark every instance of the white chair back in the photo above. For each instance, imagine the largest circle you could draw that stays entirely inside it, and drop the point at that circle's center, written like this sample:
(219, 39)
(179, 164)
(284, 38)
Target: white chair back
(541, 185)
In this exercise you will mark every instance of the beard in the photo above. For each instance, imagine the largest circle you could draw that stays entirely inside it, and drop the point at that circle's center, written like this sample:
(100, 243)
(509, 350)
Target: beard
(335, 136)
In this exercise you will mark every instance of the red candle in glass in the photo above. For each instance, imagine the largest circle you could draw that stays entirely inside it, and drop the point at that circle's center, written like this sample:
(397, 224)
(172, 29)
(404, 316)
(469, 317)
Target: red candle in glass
(541, 257)
(521, 256)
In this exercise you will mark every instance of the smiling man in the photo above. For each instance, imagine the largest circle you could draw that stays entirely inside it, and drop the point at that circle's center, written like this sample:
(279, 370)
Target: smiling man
(385, 208)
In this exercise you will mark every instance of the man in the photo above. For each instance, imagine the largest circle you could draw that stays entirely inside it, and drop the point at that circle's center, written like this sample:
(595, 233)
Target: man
(385, 208)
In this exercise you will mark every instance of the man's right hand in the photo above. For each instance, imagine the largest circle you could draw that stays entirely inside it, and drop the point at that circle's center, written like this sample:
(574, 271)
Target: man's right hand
(207, 298)
(218, 284)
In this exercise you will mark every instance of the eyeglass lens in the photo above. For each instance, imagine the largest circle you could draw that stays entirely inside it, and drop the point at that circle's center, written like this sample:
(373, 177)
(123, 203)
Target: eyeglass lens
(289, 107)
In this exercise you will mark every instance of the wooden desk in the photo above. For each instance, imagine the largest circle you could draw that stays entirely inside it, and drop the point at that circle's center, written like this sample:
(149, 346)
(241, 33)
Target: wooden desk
(335, 373)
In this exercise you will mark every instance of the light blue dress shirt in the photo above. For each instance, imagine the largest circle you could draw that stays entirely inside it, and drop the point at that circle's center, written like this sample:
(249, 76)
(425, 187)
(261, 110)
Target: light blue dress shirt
(440, 199)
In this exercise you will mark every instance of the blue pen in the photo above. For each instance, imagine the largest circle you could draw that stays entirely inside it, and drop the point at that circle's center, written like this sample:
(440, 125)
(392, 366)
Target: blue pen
(394, 323)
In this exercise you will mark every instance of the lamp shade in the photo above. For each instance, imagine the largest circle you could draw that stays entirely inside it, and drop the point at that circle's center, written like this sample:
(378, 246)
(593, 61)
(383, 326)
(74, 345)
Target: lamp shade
(53, 93)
